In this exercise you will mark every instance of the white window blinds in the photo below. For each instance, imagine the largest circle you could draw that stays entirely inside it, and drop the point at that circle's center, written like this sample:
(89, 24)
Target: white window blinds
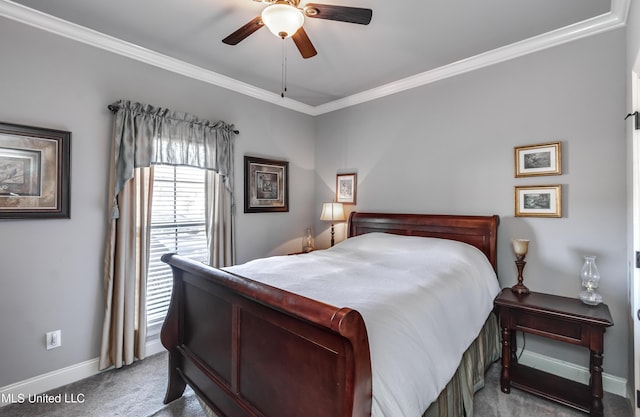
(177, 225)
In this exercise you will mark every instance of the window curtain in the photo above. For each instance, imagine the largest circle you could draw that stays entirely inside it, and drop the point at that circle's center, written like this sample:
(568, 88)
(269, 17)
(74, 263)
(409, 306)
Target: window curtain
(144, 135)
(219, 224)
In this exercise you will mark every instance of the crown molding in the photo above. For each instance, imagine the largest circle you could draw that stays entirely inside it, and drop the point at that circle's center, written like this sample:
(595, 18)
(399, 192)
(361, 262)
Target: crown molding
(52, 24)
(620, 9)
(616, 18)
(598, 24)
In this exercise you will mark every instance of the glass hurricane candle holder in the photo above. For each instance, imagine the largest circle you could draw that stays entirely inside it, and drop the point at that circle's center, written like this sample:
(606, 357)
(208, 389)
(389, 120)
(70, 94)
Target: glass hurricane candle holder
(307, 241)
(590, 277)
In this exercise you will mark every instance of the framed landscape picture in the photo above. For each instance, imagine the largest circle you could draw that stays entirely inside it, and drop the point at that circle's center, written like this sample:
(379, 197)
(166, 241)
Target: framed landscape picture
(346, 185)
(34, 172)
(538, 201)
(266, 185)
(543, 159)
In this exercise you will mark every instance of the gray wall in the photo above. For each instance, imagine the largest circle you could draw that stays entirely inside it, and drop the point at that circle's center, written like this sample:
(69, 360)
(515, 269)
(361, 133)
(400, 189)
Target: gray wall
(447, 147)
(51, 270)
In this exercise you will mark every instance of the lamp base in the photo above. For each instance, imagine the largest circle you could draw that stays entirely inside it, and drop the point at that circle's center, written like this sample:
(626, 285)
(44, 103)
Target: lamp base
(520, 289)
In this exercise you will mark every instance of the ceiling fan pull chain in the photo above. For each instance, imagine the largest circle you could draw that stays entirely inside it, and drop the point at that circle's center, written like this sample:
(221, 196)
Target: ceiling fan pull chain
(284, 68)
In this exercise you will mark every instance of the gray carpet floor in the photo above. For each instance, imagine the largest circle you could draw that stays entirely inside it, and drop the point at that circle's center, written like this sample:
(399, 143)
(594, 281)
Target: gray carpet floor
(138, 391)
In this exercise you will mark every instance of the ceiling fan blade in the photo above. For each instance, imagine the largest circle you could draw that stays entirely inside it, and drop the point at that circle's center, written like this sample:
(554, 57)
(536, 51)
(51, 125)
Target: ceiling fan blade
(339, 13)
(302, 41)
(242, 33)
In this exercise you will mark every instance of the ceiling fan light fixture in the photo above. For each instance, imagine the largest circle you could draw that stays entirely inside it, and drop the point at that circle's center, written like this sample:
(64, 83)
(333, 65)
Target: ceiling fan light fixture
(283, 20)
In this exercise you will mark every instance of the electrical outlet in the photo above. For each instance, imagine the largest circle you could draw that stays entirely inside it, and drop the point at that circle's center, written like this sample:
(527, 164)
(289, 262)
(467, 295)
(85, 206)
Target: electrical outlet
(54, 339)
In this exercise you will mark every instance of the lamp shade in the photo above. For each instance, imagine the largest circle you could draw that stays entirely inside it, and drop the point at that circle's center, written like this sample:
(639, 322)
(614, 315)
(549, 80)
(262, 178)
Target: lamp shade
(332, 212)
(283, 20)
(520, 246)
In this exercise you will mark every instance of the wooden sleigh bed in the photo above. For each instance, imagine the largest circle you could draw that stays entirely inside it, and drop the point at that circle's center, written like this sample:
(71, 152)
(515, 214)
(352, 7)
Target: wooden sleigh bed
(252, 350)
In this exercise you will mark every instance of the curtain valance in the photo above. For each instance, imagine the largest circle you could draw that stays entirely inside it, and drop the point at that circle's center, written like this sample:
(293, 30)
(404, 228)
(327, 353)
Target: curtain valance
(145, 135)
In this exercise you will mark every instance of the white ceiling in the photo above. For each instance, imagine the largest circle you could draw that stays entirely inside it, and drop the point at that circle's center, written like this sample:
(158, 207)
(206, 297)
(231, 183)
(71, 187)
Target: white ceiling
(406, 44)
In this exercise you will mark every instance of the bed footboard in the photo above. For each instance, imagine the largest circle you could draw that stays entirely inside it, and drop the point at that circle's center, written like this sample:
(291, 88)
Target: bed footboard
(249, 349)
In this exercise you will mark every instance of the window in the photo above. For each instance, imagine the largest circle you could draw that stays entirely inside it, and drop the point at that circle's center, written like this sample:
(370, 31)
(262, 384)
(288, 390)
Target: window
(177, 225)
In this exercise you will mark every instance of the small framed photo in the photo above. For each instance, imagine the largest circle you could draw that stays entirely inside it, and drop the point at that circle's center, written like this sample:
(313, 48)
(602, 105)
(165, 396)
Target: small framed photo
(34, 172)
(266, 185)
(346, 185)
(538, 201)
(543, 159)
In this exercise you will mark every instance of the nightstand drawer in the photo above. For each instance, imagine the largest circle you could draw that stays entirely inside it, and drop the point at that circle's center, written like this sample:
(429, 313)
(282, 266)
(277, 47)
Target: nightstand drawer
(556, 329)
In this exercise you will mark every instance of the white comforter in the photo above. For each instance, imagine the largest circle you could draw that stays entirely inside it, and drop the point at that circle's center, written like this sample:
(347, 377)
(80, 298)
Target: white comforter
(423, 301)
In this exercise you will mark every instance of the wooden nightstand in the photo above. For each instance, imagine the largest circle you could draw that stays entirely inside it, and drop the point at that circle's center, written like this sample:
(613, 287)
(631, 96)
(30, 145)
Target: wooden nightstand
(559, 318)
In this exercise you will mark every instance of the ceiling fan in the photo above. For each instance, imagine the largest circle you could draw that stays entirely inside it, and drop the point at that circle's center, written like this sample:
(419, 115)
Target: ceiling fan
(285, 19)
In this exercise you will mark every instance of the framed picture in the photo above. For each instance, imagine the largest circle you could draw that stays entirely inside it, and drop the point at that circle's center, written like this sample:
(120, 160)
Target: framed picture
(346, 185)
(543, 159)
(266, 185)
(538, 201)
(34, 172)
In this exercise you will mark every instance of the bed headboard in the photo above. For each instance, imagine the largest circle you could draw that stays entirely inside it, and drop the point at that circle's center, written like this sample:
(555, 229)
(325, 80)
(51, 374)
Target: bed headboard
(479, 231)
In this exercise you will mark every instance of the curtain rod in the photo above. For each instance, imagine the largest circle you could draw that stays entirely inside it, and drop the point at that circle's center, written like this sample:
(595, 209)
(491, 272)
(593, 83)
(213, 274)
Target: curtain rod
(114, 108)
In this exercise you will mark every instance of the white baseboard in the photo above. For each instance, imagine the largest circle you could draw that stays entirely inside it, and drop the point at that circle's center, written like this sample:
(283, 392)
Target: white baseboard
(45, 382)
(51, 380)
(611, 383)
(73, 373)
(154, 347)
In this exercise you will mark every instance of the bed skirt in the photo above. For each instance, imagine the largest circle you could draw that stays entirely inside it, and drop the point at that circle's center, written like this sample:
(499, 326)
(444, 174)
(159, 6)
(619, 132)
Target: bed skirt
(456, 400)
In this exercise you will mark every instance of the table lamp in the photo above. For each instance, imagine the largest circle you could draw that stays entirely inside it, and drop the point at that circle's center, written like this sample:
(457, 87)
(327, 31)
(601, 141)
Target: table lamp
(332, 212)
(520, 247)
